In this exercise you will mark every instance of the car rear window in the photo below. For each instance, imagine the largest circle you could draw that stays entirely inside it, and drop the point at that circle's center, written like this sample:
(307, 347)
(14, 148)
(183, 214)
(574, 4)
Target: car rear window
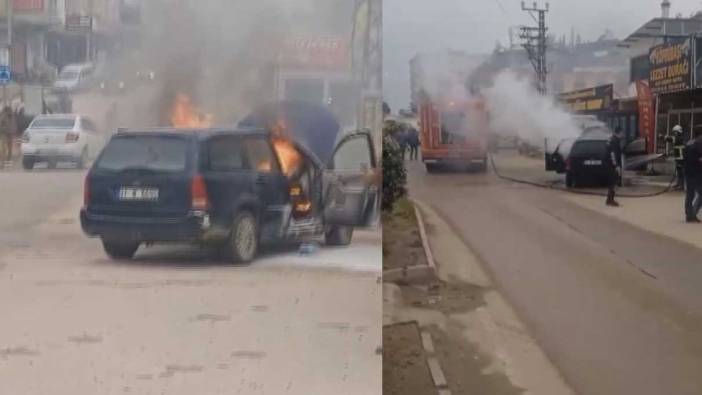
(167, 154)
(53, 123)
(594, 147)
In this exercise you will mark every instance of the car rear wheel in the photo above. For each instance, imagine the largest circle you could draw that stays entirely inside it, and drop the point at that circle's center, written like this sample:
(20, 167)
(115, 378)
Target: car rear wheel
(338, 236)
(120, 249)
(482, 166)
(51, 164)
(243, 241)
(28, 163)
(432, 167)
(570, 180)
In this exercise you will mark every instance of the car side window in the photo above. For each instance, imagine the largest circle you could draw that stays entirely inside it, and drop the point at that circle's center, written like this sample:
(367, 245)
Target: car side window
(225, 154)
(353, 154)
(260, 155)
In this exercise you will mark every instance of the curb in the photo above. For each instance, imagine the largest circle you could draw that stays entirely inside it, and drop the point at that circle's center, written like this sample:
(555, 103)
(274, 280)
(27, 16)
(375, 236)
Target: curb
(414, 272)
(423, 236)
(437, 374)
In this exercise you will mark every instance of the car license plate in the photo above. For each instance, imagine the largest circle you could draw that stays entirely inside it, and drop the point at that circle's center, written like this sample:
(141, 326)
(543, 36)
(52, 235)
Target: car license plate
(138, 194)
(593, 162)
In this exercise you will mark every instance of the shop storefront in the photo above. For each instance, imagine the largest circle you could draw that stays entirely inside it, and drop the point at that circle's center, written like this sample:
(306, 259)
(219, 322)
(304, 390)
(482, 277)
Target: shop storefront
(672, 79)
(599, 101)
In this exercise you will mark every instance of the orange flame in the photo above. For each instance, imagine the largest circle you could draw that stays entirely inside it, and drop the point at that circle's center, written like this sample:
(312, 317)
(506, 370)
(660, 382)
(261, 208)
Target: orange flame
(184, 114)
(290, 159)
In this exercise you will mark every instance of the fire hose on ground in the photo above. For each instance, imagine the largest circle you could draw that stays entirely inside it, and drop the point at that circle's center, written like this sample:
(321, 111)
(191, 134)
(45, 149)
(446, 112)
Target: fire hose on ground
(578, 191)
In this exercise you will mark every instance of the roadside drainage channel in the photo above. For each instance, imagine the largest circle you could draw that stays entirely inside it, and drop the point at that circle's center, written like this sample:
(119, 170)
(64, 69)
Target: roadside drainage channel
(415, 273)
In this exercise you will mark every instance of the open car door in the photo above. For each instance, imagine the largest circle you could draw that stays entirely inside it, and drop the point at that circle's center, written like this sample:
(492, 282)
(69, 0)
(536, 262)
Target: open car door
(351, 195)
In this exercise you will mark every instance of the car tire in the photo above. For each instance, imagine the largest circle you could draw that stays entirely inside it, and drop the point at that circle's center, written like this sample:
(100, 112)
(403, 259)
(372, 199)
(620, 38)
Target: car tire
(431, 167)
(120, 250)
(242, 245)
(81, 162)
(338, 236)
(483, 166)
(51, 164)
(28, 163)
(570, 181)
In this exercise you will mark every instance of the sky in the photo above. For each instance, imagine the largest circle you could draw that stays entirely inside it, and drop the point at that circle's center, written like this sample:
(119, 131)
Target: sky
(475, 26)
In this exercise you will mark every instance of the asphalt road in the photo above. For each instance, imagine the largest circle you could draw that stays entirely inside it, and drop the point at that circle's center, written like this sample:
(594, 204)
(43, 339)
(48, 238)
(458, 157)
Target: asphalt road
(617, 309)
(175, 320)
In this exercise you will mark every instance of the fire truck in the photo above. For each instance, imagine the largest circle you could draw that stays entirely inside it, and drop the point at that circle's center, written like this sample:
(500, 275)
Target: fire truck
(453, 132)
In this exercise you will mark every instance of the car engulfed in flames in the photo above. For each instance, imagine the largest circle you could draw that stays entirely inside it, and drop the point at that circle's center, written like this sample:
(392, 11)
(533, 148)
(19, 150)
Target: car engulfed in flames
(185, 114)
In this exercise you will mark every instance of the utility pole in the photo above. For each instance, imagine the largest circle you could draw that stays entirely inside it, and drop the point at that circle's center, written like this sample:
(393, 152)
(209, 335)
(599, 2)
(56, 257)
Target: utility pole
(9, 9)
(534, 42)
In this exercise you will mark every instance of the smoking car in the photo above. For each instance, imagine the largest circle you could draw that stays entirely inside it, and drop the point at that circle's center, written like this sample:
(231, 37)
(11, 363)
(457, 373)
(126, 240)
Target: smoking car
(582, 159)
(234, 188)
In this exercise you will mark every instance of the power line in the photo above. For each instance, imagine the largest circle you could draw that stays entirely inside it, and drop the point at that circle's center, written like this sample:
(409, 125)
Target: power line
(534, 42)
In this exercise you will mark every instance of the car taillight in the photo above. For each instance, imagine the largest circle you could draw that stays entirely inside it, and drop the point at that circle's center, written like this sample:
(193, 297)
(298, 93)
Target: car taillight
(25, 138)
(72, 137)
(86, 191)
(198, 191)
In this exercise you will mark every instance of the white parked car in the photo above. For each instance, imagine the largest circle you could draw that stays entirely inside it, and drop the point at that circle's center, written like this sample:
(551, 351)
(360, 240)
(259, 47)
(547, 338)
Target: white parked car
(60, 138)
(74, 77)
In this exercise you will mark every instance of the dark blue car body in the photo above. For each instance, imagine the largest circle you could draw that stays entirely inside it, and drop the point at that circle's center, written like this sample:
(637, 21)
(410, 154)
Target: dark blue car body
(130, 205)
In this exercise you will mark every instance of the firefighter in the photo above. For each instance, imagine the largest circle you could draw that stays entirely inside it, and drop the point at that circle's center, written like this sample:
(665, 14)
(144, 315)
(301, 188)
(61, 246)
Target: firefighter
(677, 140)
(614, 165)
(693, 177)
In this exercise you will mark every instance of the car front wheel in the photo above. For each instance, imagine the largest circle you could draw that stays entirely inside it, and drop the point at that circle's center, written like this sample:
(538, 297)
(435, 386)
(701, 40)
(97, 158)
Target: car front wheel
(28, 163)
(242, 246)
(120, 249)
(338, 236)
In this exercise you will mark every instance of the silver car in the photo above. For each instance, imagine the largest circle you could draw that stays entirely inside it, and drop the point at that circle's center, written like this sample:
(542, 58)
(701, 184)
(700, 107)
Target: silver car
(60, 138)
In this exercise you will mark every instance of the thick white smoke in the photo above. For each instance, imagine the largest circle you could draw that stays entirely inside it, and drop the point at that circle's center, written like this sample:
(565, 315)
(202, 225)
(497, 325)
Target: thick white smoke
(517, 109)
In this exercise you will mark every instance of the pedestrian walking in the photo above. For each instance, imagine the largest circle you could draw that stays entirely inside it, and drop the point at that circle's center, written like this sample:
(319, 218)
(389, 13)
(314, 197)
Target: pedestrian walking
(614, 165)
(413, 142)
(8, 133)
(677, 140)
(402, 139)
(693, 177)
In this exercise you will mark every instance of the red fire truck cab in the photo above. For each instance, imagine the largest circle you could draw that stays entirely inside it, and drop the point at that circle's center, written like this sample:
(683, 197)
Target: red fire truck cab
(454, 132)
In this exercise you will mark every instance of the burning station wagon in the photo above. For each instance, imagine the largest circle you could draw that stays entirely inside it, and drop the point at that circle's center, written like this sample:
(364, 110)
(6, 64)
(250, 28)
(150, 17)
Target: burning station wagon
(236, 189)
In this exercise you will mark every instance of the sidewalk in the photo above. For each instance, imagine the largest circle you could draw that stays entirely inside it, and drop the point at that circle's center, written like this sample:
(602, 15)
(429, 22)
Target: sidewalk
(662, 214)
(475, 340)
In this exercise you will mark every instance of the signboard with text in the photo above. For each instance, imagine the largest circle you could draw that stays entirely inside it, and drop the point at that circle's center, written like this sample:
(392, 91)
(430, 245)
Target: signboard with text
(670, 67)
(79, 23)
(310, 51)
(598, 98)
(27, 6)
(646, 115)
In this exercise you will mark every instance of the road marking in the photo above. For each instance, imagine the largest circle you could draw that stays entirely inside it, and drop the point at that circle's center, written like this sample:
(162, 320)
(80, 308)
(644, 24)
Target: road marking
(436, 373)
(427, 343)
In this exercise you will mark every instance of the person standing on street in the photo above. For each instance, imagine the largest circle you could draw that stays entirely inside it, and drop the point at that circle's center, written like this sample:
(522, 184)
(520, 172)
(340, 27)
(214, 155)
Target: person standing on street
(693, 178)
(614, 164)
(402, 139)
(413, 142)
(677, 140)
(8, 132)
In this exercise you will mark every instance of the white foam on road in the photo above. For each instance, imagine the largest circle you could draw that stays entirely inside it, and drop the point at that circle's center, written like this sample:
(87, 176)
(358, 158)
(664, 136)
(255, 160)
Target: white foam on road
(363, 255)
